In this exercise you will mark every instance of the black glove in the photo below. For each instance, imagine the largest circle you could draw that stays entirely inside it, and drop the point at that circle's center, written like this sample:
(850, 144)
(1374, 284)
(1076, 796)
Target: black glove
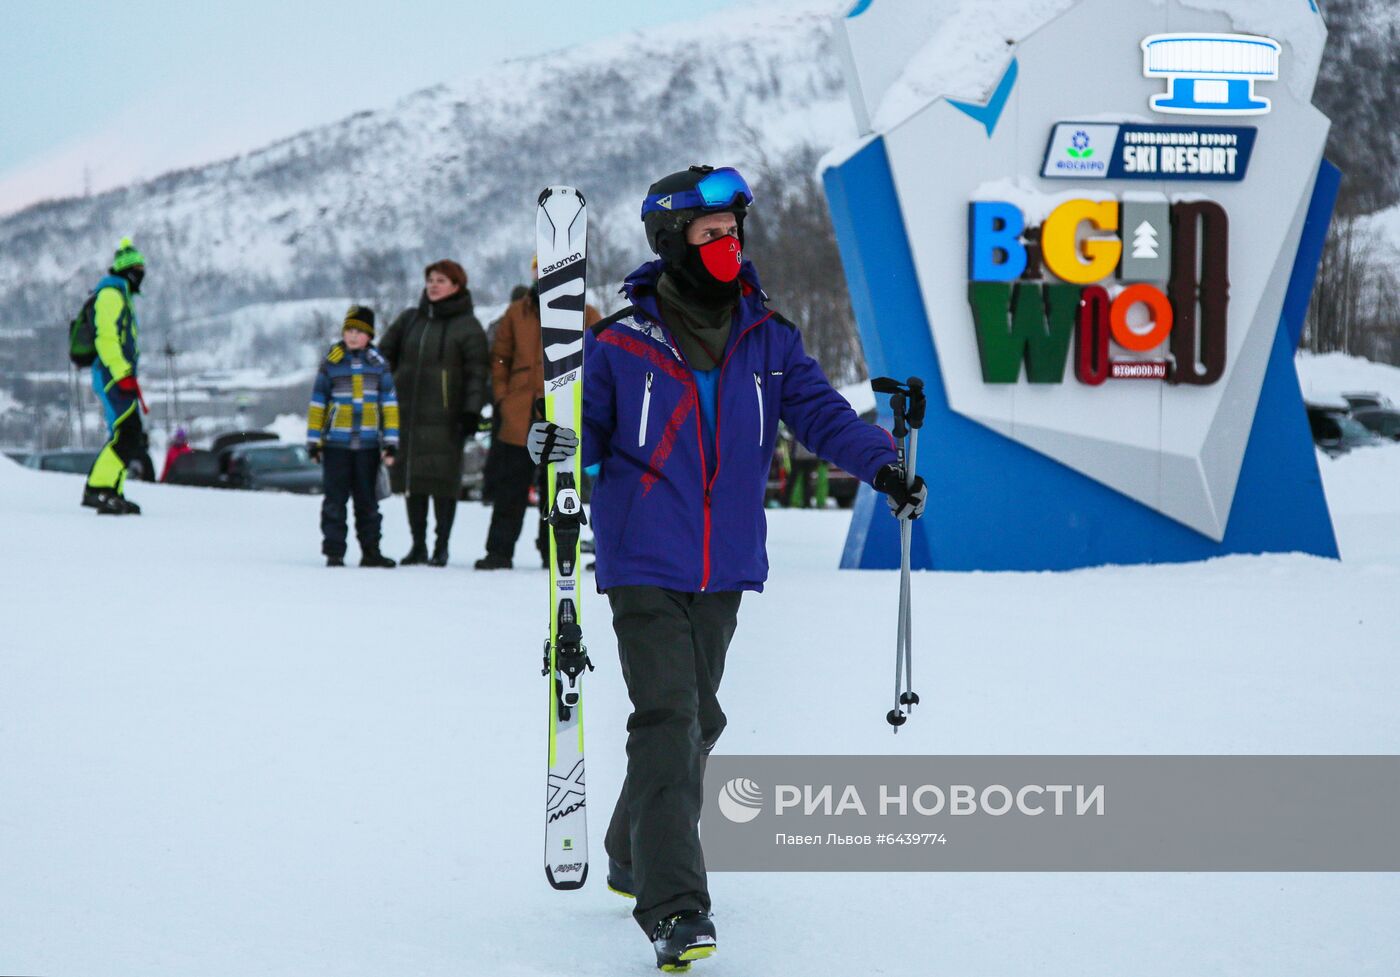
(314, 450)
(550, 443)
(905, 501)
(471, 423)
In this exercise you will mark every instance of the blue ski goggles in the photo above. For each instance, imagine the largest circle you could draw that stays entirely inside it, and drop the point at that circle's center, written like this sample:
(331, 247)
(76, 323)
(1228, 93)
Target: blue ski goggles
(716, 190)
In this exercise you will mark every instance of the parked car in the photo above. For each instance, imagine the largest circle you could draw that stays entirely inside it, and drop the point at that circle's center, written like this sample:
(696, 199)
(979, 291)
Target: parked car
(1381, 421)
(270, 466)
(260, 464)
(73, 461)
(1362, 399)
(200, 468)
(231, 438)
(1336, 432)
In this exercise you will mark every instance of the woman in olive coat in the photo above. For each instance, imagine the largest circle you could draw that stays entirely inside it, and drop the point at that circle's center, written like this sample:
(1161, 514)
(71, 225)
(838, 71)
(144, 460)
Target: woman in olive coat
(440, 361)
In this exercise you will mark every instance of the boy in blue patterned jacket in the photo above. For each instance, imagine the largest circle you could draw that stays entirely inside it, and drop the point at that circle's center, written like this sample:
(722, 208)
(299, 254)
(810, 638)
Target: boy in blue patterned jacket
(352, 423)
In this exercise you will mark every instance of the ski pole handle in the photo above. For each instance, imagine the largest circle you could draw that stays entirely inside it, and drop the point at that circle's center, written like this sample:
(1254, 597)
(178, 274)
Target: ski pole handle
(907, 401)
(917, 403)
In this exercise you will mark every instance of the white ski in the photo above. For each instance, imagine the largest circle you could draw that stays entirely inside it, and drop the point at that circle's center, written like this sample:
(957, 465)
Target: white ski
(561, 231)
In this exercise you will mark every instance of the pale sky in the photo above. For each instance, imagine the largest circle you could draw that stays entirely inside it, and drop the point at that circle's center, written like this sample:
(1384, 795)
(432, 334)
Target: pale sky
(100, 94)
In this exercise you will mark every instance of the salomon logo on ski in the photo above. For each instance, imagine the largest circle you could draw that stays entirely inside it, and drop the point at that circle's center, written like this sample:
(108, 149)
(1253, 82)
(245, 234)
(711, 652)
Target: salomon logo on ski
(560, 264)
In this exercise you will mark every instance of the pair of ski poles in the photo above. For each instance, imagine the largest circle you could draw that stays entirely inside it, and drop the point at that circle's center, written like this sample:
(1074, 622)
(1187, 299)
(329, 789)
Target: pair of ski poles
(907, 400)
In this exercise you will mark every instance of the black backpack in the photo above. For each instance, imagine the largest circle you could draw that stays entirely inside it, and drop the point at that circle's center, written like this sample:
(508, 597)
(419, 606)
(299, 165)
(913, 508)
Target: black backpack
(82, 334)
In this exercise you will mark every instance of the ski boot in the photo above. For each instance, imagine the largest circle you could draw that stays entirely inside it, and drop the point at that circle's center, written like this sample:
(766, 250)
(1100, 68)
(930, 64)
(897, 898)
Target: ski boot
(682, 938)
(108, 502)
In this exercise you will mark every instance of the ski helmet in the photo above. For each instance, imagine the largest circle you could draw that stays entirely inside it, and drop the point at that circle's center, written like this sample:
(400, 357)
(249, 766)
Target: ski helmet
(672, 202)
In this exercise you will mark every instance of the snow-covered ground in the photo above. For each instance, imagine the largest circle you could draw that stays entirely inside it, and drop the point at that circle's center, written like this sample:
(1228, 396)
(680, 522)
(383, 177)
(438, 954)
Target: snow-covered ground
(218, 757)
(1327, 376)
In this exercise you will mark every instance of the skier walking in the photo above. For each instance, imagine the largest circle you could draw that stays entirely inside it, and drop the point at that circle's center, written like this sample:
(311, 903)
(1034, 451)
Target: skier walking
(114, 380)
(683, 392)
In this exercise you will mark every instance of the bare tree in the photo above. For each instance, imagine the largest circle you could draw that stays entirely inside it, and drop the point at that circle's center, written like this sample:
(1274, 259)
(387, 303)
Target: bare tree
(790, 236)
(1354, 306)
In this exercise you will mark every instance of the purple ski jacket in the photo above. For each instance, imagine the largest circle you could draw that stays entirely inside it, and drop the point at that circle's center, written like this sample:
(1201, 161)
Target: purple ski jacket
(661, 517)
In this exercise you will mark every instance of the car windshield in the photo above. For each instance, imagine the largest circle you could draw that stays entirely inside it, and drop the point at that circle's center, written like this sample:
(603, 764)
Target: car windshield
(195, 463)
(284, 458)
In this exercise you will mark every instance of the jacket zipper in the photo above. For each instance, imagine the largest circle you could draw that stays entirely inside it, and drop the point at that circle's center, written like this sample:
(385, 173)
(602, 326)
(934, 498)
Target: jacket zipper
(758, 389)
(646, 412)
(442, 361)
(707, 480)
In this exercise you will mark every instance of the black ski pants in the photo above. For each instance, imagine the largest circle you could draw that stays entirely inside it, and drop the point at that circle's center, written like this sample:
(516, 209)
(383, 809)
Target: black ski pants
(672, 647)
(349, 473)
(510, 498)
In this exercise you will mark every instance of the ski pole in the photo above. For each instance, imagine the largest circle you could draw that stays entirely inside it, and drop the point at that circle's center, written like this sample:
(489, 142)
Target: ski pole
(914, 418)
(907, 402)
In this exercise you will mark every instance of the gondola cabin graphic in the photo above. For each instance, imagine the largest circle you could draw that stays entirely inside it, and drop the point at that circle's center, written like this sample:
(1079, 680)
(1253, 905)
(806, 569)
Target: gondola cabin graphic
(1211, 74)
(1139, 287)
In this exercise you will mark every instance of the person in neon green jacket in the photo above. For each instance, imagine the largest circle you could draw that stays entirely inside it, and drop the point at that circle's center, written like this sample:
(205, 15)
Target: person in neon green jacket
(114, 380)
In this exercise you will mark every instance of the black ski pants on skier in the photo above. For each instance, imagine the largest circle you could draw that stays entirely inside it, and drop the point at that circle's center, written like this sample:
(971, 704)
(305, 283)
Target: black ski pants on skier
(672, 647)
(510, 498)
(349, 473)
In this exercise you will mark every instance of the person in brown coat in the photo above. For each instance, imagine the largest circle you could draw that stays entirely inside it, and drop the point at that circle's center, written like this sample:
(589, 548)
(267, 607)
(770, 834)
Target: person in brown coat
(493, 455)
(517, 381)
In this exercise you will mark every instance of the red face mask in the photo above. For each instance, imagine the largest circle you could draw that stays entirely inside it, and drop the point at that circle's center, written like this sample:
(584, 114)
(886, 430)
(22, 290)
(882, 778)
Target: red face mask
(722, 258)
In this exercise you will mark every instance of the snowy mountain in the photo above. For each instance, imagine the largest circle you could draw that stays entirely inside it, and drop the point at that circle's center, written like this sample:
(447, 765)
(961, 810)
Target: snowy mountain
(357, 207)
(252, 258)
